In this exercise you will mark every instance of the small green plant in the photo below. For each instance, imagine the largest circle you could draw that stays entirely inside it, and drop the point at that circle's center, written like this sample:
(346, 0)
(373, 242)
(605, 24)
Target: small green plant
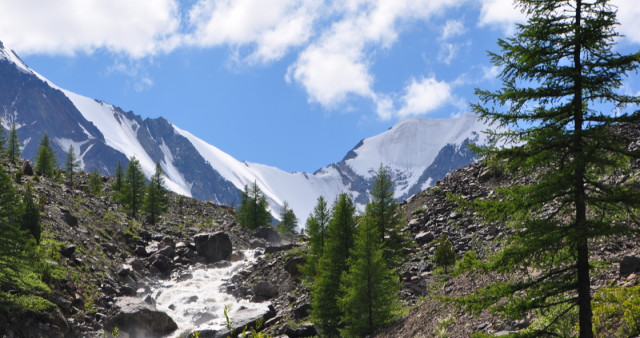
(616, 311)
(443, 325)
(445, 257)
(18, 176)
(42, 201)
(468, 262)
(226, 317)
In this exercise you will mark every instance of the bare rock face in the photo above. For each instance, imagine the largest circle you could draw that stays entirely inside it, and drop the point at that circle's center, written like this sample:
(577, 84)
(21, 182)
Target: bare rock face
(138, 319)
(213, 247)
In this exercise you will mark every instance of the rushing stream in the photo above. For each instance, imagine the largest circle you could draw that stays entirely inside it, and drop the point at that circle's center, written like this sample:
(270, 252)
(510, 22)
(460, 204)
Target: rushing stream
(196, 299)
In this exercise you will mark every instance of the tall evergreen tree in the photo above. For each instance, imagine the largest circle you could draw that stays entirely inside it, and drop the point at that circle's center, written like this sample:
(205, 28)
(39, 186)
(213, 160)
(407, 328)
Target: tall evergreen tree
(155, 201)
(45, 158)
(386, 216)
(31, 214)
(289, 222)
(561, 104)
(339, 241)
(13, 144)
(71, 163)
(118, 179)
(3, 140)
(253, 210)
(370, 289)
(133, 188)
(13, 237)
(316, 228)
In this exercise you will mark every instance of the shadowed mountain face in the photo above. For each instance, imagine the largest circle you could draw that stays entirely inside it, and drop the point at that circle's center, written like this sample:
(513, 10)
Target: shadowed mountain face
(416, 151)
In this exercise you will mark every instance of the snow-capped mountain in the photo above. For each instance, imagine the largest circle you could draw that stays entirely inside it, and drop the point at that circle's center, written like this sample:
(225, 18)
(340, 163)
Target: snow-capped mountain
(417, 151)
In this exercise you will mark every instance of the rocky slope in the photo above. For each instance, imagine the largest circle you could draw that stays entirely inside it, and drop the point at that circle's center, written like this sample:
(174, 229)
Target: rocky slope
(111, 262)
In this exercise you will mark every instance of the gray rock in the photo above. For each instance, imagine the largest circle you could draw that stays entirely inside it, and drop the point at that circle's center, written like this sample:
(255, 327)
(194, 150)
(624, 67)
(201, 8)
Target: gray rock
(304, 330)
(264, 289)
(291, 266)
(425, 237)
(139, 319)
(68, 218)
(629, 265)
(213, 247)
(26, 168)
(269, 234)
(68, 251)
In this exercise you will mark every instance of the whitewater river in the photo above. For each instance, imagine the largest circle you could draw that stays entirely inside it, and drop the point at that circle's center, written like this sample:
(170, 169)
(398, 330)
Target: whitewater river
(197, 302)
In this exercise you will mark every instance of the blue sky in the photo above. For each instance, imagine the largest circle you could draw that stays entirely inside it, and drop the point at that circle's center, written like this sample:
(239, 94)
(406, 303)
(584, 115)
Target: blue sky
(289, 83)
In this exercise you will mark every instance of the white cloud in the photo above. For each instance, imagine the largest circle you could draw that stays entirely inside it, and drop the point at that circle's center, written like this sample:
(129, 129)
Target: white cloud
(424, 96)
(447, 52)
(273, 27)
(452, 28)
(136, 28)
(628, 13)
(490, 73)
(501, 14)
(338, 64)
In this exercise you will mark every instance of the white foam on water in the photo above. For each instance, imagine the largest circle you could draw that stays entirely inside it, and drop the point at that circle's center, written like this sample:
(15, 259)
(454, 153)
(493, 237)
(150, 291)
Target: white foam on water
(198, 301)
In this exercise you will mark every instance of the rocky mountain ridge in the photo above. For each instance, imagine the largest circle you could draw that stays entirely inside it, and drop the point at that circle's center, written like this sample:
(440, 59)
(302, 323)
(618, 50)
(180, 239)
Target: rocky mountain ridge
(417, 151)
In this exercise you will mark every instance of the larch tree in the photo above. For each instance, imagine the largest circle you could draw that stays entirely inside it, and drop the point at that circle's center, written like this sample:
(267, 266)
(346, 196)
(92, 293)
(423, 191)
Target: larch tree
(118, 179)
(289, 222)
(445, 256)
(71, 163)
(562, 111)
(326, 291)
(31, 214)
(386, 216)
(370, 289)
(13, 237)
(253, 210)
(3, 140)
(316, 228)
(155, 201)
(45, 158)
(133, 188)
(95, 183)
(13, 144)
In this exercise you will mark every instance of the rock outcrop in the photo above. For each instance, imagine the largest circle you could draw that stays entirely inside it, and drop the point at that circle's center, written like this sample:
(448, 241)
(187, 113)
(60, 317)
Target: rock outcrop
(138, 319)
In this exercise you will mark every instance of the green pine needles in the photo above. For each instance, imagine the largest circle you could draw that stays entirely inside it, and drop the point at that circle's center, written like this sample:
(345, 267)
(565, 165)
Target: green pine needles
(355, 289)
(45, 158)
(562, 108)
(253, 211)
(155, 200)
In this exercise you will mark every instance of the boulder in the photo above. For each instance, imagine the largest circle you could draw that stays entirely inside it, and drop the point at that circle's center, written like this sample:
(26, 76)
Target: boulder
(276, 248)
(138, 318)
(629, 265)
(264, 289)
(269, 234)
(302, 311)
(291, 266)
(213, 247)
(26, 168)
(304, 330)
(68, 251)
(249, 318)
(425, 237)
(68, 218)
